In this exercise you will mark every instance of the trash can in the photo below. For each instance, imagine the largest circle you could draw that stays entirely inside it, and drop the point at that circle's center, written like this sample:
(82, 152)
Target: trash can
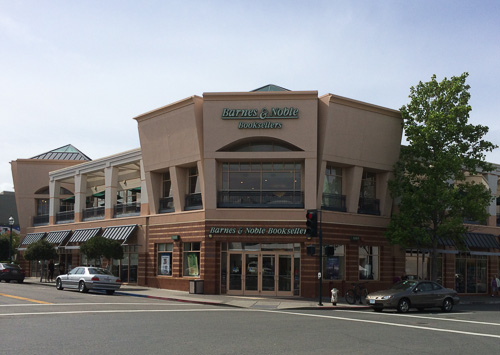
(196, 286)
(335, 296)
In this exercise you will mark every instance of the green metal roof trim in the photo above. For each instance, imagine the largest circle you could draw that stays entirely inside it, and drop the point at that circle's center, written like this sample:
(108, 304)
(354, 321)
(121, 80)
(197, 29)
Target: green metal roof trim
(67, 152)
(270, 87)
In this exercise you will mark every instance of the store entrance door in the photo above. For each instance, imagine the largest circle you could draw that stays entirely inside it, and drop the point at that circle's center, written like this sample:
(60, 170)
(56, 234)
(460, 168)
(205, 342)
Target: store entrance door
(260, 273)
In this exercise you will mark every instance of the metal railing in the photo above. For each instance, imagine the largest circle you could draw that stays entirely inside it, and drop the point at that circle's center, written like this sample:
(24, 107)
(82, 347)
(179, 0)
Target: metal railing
(128, 209)
(193, 202)
(166, 205)
(40, 220)
(260, 199)
(369, 206)
(65, 217)
(93, 213)
(333, 202)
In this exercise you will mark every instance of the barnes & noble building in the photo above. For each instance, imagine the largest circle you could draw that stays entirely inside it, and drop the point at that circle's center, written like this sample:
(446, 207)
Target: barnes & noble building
(218, 191)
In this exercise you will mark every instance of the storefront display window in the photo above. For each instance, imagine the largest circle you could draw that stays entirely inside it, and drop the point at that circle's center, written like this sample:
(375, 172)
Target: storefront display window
(369, 263)
(191, 259)
(165, 259)
(333, 266)
(471, 274)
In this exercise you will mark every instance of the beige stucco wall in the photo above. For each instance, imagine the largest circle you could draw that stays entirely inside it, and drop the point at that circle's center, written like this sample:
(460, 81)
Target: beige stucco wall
(29, 176)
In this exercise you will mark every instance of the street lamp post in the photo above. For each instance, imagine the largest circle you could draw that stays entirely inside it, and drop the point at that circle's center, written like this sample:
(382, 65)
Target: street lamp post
(11, 223)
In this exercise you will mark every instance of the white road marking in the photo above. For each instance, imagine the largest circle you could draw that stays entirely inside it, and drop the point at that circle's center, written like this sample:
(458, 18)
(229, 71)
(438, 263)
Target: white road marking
(256, 310)
(424, 317)
(163, 303)
(386, 323)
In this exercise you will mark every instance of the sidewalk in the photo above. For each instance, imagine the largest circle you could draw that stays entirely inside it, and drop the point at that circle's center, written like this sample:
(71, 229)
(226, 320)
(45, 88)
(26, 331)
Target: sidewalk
(256, 302)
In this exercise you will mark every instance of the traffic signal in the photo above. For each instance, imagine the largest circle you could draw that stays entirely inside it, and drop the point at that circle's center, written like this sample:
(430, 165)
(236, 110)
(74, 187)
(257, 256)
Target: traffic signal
(311, 224)
(311, 250)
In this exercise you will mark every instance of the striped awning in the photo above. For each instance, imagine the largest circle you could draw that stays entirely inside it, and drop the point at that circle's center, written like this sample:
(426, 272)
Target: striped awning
(57, 237)
(481, 240)
(120, 233)
(82, 235)
(32, 238)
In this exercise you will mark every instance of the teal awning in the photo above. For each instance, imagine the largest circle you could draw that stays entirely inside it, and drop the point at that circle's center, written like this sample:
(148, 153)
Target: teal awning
(136, 189)
(102, 194)
(69, 199)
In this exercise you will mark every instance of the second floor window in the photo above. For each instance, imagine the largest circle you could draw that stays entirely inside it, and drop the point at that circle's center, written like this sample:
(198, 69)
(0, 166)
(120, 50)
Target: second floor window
(368, 185)
(42, 207)
(333, 181)
(166, 185)
(194, 181)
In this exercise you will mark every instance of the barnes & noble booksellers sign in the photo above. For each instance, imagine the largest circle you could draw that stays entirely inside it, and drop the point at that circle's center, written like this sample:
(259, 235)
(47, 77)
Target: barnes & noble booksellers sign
(261, 119)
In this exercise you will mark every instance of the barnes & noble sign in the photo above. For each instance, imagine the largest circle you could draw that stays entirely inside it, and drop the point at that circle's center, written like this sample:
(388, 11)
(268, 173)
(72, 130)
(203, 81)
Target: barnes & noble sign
(260, 118)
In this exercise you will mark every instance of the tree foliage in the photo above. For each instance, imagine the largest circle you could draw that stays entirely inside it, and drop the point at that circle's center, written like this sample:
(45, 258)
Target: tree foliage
(5, 243)
(40, 250)
(99, 246)
(430, 178)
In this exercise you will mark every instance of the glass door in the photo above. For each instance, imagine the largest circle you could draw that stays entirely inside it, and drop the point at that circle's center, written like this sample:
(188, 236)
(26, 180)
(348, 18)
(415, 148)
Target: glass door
(285, 272)
(235, 280)
(268, 272)
(251, 273)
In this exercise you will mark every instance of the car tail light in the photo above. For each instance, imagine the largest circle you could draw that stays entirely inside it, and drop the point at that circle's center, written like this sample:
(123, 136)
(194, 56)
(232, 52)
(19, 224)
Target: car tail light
(118, 280)
(95, 278)
(4, 270)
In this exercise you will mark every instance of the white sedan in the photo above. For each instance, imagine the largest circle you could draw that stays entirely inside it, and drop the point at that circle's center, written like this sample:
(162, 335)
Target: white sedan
(85, 278)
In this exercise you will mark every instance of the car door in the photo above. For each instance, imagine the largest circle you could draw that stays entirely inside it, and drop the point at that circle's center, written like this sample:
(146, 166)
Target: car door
(74, 276)
(424, 295)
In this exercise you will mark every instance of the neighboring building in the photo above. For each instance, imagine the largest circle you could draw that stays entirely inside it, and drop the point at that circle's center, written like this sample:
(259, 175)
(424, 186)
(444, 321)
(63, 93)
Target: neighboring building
(8, 209)
(219, 190)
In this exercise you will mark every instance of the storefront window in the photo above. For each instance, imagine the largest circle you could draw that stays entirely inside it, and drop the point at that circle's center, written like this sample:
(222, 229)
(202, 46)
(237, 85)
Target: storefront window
(165, 259)
(471, 274)
(369, 263)
(333, 266)
(191, 259)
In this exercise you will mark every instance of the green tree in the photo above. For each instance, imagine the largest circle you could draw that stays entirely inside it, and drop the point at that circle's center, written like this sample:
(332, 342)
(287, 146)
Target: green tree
(430, 176)
(40, 250)
(99, 246)
(5, 243)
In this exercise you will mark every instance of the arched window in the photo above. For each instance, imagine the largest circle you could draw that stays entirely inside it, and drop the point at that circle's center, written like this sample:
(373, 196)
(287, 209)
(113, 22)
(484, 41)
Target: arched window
(260, 145)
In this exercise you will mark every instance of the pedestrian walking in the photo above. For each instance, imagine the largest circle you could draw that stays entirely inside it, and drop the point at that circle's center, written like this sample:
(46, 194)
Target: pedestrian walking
(51, 270)
(494, 285)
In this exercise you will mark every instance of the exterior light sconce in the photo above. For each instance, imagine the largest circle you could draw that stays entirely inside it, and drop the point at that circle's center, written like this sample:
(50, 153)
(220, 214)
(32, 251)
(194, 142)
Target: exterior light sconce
(176, 237)
(210, 236)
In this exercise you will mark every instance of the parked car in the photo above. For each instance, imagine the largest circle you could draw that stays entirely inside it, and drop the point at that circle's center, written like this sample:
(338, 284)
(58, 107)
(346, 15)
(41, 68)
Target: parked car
(85, 278)
(418, 294)
(10, 272)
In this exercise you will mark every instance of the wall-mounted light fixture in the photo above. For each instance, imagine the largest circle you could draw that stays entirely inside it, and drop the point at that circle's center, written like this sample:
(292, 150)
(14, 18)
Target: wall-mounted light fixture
(210, 236)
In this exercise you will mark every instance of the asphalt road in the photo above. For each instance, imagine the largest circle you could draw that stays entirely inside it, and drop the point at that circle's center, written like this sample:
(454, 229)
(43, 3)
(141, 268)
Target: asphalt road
(41, 320)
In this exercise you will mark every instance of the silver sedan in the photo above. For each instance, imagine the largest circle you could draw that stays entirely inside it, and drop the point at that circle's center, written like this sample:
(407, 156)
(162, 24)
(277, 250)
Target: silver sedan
(413, 294)
(85, 278)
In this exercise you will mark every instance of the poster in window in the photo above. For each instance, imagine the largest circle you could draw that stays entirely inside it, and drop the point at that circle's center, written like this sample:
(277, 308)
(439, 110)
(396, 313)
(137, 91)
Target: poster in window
(193, 264)
(165, 264)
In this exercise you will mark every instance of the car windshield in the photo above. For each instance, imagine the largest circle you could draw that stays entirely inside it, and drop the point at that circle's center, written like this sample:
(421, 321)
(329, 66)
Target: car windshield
(404, 285)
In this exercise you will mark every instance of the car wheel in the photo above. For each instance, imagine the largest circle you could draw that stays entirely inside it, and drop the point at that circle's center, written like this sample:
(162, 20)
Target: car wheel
(447, 305)
(403, 306)
(20, 281)
(59, 285)
(110, 292)
(82, 288)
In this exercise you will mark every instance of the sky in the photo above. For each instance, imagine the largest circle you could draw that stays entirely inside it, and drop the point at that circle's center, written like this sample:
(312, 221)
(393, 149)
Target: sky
(78, 72)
